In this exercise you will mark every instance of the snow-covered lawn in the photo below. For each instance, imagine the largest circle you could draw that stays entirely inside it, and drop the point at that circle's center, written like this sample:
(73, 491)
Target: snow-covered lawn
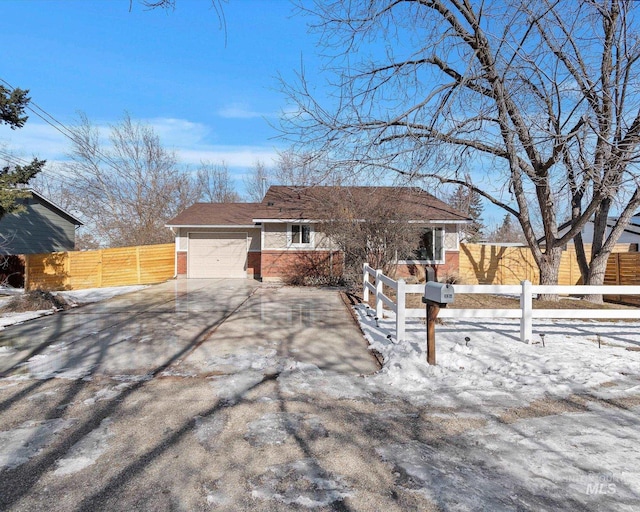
(562, 420)
(74, 297)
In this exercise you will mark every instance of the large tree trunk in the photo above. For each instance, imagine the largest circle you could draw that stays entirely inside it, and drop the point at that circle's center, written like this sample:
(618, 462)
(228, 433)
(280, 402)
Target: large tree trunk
(549, 266)
(596, 275)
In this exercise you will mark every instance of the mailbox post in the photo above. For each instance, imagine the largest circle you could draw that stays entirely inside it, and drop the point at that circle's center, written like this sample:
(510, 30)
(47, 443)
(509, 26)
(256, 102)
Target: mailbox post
(436, 296)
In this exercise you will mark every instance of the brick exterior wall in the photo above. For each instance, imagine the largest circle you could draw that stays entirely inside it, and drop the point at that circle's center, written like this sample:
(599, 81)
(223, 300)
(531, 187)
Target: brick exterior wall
(182, 263)
(254, 262)
(286, 265)
(450, 267)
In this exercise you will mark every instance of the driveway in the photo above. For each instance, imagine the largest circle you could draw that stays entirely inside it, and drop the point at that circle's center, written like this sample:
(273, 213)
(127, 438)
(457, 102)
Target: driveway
(189, 327)
(190, 395)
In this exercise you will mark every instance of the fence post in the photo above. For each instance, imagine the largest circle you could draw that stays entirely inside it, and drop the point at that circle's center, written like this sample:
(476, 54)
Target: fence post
(100, 267)
(526, 305)
(365, 281)
(379, 311)
(400, 310)
(138, 270)
(27, 275)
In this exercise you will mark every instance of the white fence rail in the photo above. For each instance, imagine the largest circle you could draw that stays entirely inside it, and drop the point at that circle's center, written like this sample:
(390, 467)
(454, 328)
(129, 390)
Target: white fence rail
(525, 291)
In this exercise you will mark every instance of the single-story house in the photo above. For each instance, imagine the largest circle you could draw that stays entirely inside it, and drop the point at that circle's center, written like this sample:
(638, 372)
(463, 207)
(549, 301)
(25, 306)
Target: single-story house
(265, 240)
(41, 227)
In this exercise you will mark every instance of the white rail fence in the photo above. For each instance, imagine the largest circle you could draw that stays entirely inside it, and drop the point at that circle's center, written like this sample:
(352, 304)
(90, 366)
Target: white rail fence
(526, 290)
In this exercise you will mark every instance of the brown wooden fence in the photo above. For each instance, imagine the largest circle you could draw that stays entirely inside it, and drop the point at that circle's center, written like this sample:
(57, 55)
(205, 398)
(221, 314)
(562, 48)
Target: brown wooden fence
(494, 264)
(123, 266)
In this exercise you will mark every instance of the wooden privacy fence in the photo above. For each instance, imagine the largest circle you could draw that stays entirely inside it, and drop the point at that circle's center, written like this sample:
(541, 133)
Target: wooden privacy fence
(145, 264)
(496, 264)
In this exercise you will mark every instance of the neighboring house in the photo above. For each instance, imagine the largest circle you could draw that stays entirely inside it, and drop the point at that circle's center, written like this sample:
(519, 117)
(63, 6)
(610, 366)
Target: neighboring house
(630, 235)
(41, 227)
(266, 240)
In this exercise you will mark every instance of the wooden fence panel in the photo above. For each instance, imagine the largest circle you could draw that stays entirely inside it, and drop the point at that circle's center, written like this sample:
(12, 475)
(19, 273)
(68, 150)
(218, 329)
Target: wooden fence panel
(502, 265)
(121, 266)
(85, 270)
(623, 269)
(156, 263)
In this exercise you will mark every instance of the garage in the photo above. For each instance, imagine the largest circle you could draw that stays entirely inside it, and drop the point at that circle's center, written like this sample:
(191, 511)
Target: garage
(217, 255)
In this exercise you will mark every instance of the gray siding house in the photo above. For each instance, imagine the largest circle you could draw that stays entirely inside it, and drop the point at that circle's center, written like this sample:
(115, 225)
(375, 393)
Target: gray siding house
(41, 228)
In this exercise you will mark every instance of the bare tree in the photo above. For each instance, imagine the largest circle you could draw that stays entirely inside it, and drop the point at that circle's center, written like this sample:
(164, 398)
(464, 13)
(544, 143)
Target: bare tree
(368, 229)
(257, 183)
(296, 167)
(542, 97)
(127, 189)
(215, 184)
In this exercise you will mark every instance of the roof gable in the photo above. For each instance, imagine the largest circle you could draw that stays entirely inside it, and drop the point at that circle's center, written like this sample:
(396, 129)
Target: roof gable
(58, 209)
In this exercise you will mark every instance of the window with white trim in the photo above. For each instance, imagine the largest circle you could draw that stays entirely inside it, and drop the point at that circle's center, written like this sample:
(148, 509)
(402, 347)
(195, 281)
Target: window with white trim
(430, 247)
(300, 235)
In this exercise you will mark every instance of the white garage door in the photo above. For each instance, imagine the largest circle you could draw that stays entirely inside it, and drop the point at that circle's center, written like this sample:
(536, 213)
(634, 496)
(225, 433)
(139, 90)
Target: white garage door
(214, 255)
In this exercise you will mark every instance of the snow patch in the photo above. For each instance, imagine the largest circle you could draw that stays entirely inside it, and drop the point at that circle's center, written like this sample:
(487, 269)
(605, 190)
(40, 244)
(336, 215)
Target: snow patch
(297, 378)
(86, 451)
(258, 359)
(91, 295)
(231, 388)
(276, 428)
(20, 444)
(533, 464)
(302, 483)
(208, 428)
(53, 365)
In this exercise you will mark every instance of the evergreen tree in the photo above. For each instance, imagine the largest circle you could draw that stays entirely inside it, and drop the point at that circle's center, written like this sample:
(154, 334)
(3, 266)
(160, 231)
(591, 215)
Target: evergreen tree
(12, 107)
(507, 232)
(469, 202)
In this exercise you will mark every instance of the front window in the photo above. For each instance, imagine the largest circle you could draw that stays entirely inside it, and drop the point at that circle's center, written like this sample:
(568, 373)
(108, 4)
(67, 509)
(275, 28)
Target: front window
(300, 234)
(430, 247)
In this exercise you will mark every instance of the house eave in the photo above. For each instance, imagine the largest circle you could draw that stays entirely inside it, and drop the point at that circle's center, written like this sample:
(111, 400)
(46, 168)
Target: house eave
(287, 221)
(211, 226)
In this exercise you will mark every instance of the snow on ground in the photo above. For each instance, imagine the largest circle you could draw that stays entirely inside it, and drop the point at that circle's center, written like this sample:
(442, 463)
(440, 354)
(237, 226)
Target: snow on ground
(494, 368)
(587, 459)
(17, 446)
(86, 451)
(7, 319)
(312, 487)
(75, 298)
(91, 295)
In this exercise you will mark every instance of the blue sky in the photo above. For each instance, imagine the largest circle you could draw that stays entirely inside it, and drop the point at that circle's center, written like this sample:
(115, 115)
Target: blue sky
(210, 96)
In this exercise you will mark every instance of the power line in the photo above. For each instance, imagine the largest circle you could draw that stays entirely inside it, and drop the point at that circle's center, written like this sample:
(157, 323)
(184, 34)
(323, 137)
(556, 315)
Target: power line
(70, 134)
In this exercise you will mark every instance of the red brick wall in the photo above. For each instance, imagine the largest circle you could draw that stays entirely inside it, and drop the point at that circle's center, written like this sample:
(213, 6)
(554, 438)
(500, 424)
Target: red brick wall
(182, 263)
(449, 267)
(254, 265)
(285, 264)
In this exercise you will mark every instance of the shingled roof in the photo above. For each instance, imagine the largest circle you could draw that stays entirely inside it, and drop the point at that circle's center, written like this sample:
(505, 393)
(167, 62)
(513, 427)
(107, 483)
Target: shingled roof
(283, 203)
(217, 214)
(318, 203)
